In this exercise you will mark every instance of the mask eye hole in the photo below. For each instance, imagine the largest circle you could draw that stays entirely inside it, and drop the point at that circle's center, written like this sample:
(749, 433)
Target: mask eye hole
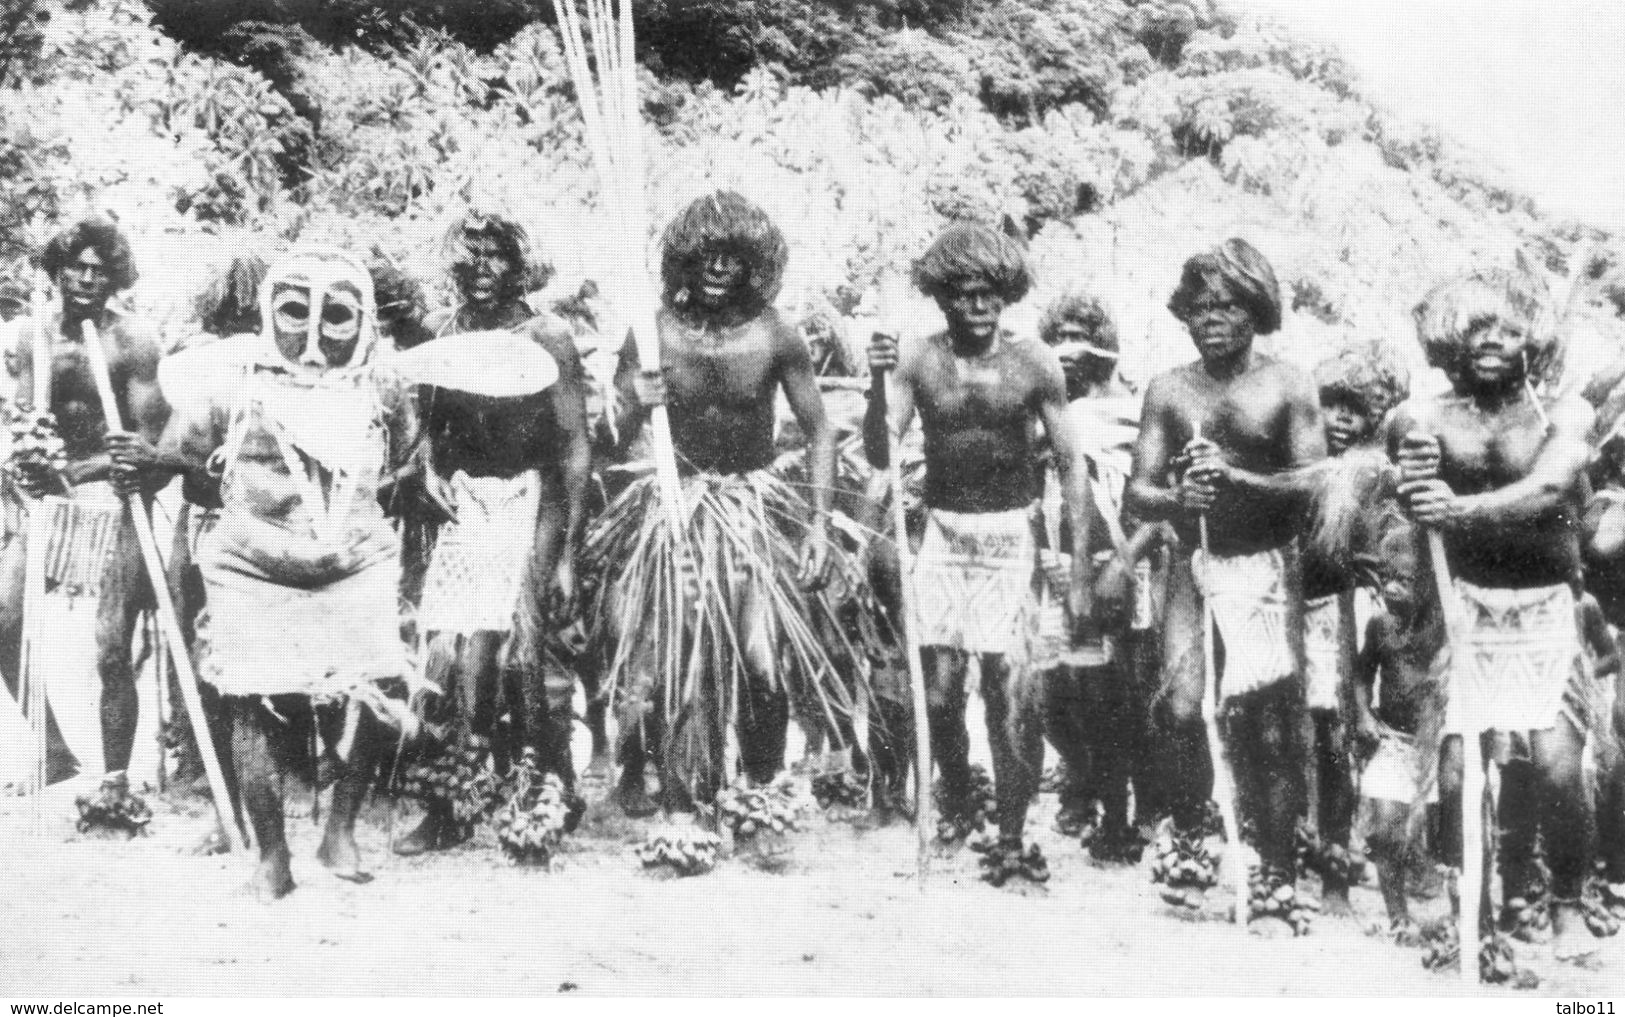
(293, 314)
(340, 320)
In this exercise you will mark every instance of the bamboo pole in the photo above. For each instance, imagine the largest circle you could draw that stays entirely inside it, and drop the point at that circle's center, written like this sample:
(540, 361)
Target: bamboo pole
(614, 129)
(167, 618)
(1224, 779)
(924, 824)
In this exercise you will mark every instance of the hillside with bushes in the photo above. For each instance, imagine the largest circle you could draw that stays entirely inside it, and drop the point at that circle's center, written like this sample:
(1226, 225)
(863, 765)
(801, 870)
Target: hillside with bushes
(1118, 135)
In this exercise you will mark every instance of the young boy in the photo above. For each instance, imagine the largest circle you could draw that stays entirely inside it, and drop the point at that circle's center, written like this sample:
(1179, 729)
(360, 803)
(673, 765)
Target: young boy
(1397, 703)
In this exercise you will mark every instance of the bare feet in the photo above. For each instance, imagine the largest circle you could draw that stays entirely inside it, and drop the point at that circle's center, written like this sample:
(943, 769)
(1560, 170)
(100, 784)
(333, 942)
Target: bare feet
(1572, 942)
(599, 767)
(435, 833)
(213, 843)
(634, 800)
(1334, 900)
(343, 859)
(273, 878)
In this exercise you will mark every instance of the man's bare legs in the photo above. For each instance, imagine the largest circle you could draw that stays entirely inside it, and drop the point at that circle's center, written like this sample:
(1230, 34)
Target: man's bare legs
(125, 594)
(1565, 819)
(467, 671)
(1015, 735)
(265, 747)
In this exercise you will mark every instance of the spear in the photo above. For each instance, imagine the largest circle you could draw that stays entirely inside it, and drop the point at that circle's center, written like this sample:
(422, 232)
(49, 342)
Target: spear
(168, 621)
(1224, 780)
(880, 382)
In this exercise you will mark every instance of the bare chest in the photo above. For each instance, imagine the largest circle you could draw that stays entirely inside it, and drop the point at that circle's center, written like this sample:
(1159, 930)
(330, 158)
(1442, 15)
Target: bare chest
(994, 392)
(1245, 418)
(1484, 451)
(702, 369)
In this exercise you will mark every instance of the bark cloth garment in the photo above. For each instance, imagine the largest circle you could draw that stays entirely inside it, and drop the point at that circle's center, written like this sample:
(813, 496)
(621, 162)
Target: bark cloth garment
(1393, 773)
(1250, 598)
(480, 560)
(302, 568)
(1517, 655)
(1322, 626)
(1104, 428)
(674, 617)
(973, 581)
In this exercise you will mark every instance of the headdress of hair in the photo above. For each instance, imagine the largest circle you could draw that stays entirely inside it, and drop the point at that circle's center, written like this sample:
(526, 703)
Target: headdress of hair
(1242, 270)
(100, 235)
(1369, 374)
(530, 271)
(724, 220)
(970, 251)
(1453, 310)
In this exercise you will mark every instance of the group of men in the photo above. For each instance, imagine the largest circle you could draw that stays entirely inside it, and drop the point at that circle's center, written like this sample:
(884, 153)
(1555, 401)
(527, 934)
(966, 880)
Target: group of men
(1227, 556)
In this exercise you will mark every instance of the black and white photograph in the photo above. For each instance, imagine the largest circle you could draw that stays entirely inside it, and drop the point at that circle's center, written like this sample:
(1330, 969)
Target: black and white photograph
(811, 498)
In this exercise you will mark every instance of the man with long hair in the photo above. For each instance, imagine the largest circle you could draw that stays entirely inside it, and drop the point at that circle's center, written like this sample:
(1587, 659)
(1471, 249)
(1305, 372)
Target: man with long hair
(1096, 704)
(1497, 468)
(712, 630)
(90, 262)
(501, 576)
(1225, 439)
(980, 391)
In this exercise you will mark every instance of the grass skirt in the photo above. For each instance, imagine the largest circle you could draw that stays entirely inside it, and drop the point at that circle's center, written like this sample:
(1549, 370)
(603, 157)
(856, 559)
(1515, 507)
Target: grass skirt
(674, 616)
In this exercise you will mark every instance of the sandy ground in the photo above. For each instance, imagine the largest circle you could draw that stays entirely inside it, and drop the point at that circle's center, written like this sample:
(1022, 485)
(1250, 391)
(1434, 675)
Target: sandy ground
(85, 917)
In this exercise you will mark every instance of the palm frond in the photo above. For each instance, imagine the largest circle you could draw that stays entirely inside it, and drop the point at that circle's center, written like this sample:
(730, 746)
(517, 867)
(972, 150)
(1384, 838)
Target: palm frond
(674, 635)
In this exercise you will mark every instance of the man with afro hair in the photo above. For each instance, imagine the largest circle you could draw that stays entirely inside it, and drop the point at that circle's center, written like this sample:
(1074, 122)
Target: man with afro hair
(1498, 470)
(709, 633)
(89, 263)
(980, 392)
(501, 576)
(1225, 439)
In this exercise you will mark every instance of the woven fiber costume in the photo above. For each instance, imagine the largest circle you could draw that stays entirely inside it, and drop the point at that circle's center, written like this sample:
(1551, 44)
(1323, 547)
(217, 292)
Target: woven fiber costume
(477, 565)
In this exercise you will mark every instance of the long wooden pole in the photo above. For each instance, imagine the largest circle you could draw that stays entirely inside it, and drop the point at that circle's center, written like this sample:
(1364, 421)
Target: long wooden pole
(34, 698)
(1470, 889)
(167, 618)
(1224, 780)
(924, 822)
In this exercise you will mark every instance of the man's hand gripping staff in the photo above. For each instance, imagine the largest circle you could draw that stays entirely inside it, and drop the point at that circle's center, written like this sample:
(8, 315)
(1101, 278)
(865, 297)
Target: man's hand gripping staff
(882, 363)
(1204, 471)
(1433, 504)
(129, 481)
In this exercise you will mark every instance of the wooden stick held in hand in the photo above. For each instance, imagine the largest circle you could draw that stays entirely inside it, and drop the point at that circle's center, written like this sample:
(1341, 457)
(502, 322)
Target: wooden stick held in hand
(33, 698)
(1224, 780)
(924, 824)
(167, 618)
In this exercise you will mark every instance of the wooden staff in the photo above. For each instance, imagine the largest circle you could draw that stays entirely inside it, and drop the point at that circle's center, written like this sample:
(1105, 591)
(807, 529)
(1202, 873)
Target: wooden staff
(167, 618)
(924, 824)
(1224, 780)
(1472, 777)
(34, 699)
